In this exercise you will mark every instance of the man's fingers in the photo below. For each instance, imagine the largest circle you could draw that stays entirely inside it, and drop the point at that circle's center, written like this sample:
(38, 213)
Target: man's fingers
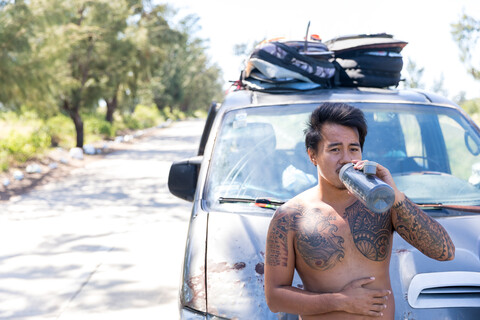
(362, 282)
(376, 310)
(381, 293)
(378, 307)
(374, 314)
(381, 300)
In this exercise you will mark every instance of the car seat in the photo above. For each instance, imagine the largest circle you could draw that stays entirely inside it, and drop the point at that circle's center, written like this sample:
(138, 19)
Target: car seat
(255, 160)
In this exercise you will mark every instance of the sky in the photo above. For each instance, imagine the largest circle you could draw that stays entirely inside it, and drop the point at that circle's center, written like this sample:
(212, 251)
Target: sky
(424, 24)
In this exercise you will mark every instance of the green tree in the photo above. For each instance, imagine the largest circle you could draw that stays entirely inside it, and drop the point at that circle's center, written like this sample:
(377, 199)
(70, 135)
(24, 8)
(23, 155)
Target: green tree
(22, 70)
(466, 33)
(67, 55)
(114, 66)
(439, 86)
(155, 41)
(414, 75)
(186, 80)
(85, 39)
(90, 45)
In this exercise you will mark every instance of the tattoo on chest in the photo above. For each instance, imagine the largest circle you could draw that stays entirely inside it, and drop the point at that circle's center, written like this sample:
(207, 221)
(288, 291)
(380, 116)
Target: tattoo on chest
(315, 237)
(316, 241)
(371, 231)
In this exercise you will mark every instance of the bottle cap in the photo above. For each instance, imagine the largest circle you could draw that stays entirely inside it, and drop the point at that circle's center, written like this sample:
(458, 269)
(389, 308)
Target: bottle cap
(370, 167)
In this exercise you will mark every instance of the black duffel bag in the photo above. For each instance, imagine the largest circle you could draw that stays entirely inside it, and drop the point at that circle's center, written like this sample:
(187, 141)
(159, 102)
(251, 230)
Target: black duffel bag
(367, 60)
(284, 60)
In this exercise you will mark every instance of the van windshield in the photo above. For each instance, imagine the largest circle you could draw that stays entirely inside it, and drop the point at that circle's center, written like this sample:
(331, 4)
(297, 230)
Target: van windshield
(433, 153)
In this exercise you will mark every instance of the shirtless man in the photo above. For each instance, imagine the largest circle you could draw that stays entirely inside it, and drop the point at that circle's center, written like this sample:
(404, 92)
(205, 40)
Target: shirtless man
(340, 249)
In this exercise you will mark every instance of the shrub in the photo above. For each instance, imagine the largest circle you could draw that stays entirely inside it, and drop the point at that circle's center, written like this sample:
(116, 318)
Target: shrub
(471, 106)
(146, 117)
(4, 160)
(21, 147)
(96, 125)
(174, 114)
(61, 130)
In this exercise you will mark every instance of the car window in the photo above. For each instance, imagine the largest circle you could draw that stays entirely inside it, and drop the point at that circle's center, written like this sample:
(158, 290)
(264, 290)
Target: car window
(461, 144)
(412, 134)
(432, 153)
(260, 153)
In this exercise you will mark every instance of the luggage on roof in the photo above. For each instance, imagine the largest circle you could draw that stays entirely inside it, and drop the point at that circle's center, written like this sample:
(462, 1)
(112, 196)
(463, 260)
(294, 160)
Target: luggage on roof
(368, 60)
(283, 61)
(345, 44)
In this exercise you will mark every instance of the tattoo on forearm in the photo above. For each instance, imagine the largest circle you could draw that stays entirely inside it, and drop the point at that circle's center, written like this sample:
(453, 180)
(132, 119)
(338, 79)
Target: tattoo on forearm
(317, 243)
(423, 232)
(371, 231)
(315, 238)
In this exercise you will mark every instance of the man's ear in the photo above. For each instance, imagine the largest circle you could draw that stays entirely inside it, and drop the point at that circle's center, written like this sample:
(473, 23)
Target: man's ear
(312, 156)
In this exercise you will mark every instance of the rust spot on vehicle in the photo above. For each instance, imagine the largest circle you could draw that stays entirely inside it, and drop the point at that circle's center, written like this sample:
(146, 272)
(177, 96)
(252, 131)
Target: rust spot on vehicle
(260, 268)
(218, 267)
(224, 267)
(196, 296)
(239, 265)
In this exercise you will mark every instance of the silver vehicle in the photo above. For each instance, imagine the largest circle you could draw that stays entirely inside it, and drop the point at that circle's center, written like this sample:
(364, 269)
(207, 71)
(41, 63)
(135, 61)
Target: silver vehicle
(252, 158)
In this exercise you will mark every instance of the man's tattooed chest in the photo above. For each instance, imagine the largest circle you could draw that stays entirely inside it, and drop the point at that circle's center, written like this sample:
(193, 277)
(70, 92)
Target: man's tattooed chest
(371, 231)
(317, 240)
(321, 237)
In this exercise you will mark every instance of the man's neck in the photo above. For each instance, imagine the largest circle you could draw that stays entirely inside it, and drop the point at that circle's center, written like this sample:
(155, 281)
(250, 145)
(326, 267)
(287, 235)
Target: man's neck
(334, 196)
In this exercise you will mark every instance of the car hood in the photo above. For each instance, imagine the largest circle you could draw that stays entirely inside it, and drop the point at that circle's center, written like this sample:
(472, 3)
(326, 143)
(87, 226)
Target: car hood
(428, 289)
(235, 270)
(235, 266)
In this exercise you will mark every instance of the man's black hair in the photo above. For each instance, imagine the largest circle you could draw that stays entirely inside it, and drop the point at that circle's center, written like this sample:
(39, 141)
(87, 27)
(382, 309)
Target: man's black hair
(336, 113)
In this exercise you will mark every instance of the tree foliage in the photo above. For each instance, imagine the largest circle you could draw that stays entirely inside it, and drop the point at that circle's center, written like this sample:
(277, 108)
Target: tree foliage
(67, 55)
(189, 80)
(414, 75)
(466, 33)
(20, 74)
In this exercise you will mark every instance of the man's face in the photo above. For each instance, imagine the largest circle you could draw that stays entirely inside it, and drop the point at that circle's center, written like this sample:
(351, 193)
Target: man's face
(339, 145)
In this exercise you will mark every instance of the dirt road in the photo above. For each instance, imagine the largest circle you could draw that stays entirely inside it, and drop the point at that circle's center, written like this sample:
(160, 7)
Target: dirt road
(104, 243)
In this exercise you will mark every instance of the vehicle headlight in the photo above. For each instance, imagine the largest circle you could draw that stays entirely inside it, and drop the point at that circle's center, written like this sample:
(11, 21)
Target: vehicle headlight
(189, 314)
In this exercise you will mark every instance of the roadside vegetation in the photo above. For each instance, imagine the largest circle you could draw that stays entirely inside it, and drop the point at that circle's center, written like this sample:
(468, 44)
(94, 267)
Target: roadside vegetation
(77, 71)
(24, 136)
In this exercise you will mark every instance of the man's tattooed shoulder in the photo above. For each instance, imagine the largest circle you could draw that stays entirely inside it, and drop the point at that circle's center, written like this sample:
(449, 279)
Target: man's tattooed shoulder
(283, 221)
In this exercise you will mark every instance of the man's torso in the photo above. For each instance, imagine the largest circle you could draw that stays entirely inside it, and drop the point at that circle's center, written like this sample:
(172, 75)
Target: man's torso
(334, 248)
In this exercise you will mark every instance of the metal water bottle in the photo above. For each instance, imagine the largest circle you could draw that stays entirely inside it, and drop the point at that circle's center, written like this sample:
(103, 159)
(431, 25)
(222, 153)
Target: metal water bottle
(373, 192)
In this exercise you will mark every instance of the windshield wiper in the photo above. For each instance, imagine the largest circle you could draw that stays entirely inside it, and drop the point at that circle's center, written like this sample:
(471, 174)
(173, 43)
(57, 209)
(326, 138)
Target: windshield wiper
(475, 209)
(259, 202)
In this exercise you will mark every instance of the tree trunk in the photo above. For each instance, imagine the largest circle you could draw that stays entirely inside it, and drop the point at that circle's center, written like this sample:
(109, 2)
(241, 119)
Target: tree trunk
(111, 107)
(77, 121)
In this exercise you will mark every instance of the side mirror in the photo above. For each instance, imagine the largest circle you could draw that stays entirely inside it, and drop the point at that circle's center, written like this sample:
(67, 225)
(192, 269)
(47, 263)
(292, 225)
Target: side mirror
(183, 176)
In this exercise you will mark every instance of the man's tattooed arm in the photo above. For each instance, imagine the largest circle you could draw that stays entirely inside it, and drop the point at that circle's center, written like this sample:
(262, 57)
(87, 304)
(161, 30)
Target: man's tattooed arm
(421, 231)
(277, 238)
